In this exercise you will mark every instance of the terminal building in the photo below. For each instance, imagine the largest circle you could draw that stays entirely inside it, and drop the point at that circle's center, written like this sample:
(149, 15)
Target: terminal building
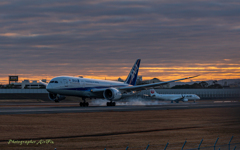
(25, 84)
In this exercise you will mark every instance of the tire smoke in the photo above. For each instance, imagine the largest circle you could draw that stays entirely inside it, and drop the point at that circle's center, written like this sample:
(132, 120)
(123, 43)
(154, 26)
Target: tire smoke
(128, 102)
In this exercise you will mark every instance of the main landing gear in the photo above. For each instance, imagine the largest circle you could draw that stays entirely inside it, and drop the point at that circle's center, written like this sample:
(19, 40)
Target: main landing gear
(84, 104)
(111, 103)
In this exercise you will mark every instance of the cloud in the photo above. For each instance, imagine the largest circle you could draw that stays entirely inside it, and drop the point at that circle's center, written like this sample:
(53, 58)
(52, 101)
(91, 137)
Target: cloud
(17, 35)
(96, 37)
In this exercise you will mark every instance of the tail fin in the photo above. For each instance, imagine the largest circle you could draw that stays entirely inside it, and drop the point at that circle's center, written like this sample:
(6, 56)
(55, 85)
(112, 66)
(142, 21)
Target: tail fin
(132, 77)
(152, 92)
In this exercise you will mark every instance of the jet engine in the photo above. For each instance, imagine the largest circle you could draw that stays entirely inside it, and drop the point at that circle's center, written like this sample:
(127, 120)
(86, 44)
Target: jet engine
(55, 97)
(185, 100)
(112, 94)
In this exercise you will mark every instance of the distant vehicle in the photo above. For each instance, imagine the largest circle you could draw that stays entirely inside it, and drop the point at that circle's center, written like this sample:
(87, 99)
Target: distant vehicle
(62, 86)
(173, 97)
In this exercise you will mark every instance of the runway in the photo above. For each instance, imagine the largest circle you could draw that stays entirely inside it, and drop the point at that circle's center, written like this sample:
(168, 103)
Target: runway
(50, 108)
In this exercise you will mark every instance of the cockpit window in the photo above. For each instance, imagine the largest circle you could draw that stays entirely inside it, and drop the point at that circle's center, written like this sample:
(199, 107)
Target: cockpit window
(51, 81)
(56, 82)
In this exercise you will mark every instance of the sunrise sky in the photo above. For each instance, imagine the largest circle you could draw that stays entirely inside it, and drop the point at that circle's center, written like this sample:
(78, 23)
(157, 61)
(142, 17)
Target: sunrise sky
(101, 39)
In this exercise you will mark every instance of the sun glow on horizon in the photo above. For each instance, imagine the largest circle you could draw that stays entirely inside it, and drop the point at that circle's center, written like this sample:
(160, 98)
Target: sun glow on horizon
(162, 71)
(147, 73)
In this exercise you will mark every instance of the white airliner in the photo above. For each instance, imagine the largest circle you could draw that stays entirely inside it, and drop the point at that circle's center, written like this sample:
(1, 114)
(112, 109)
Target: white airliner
(62, 86)
(173, 97)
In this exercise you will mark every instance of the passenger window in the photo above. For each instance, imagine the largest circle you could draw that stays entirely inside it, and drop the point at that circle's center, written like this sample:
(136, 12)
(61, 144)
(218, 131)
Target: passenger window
(56, 81)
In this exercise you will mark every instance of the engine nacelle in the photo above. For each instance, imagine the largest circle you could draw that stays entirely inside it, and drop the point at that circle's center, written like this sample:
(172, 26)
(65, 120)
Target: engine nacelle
(55, 97)
(185, 99)
(112, 94)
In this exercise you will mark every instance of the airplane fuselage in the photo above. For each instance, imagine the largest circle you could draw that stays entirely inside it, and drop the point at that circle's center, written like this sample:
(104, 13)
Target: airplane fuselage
(75, 86)
(167, 97)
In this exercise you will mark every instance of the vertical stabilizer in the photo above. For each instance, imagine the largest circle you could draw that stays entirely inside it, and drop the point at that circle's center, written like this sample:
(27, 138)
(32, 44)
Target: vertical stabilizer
(152, 92)
(132, 77)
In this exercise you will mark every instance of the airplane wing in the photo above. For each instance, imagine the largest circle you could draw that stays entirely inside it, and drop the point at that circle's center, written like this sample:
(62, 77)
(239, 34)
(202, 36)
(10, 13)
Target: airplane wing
(175, 99)
(147, 86)
(146, 95)
(143, 87)
(43, 83)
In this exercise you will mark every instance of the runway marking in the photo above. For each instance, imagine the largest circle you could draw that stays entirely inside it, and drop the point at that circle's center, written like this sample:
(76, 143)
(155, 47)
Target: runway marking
(76, 109)
(64, 109)
(225, 101)
(178, 106)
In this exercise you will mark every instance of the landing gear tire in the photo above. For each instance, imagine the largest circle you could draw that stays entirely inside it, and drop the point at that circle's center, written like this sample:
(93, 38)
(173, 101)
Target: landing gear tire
(56, 101)
(171, 101)
(111, 104)
(84, 104)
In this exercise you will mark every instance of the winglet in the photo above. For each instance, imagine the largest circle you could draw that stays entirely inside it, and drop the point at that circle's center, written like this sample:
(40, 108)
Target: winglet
(194, 76)
(132, 77)
(43, 83)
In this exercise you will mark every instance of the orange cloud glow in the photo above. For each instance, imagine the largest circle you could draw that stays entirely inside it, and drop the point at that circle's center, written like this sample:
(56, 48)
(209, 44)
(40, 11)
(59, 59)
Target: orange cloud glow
(206, 72)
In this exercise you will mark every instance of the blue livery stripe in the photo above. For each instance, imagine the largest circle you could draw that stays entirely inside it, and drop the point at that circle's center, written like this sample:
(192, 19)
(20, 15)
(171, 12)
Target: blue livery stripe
(132, 77)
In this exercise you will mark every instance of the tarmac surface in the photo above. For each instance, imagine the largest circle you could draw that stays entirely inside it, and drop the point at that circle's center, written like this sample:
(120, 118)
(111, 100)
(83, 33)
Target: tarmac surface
(50, 108)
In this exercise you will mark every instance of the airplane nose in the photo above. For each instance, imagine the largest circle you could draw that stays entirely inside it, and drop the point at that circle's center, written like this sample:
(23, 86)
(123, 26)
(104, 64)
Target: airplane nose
(198, 97)
(49, 87)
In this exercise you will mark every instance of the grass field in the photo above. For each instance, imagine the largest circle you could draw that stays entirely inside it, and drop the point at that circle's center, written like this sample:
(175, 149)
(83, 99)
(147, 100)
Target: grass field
(117, 130)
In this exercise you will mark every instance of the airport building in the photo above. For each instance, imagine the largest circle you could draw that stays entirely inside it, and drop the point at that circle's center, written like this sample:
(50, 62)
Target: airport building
(225, 83)
(26, 84)
(26, 87)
